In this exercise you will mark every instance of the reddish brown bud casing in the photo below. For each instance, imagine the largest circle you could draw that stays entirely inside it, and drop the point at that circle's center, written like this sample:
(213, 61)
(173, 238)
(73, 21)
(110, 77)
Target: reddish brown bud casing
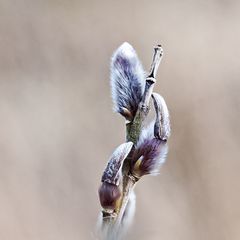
(109, 195)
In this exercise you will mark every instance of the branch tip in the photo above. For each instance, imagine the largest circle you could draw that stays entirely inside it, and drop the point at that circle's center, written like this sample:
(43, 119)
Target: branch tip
(157, 57)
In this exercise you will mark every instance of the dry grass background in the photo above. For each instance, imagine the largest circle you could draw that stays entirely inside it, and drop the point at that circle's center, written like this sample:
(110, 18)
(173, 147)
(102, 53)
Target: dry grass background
(57, 128)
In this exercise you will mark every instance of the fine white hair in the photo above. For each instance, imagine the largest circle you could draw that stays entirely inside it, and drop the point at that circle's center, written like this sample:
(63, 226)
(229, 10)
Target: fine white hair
(127, 79)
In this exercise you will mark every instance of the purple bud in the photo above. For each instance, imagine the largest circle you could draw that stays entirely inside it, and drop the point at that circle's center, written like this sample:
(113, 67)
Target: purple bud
(127, 81)
(109, 195)
(109, 192)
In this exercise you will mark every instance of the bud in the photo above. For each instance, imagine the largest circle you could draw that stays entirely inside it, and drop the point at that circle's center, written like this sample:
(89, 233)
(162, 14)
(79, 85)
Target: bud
(109, 195)
(162, 124)
(110, 192)
(149, 154)
(112, 173)
(127, 81)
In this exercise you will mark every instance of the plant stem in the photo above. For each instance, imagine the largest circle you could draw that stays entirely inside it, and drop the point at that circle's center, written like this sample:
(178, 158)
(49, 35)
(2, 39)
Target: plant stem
(127, 191)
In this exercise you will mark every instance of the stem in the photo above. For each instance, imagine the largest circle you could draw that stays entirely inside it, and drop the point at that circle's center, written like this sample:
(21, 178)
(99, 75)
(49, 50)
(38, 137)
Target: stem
(157, 57)
(127, 191)
(150, 81)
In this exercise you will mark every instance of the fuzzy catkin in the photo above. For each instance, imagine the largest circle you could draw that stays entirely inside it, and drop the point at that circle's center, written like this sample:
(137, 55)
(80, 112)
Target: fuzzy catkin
(127, 79)
(149, 155)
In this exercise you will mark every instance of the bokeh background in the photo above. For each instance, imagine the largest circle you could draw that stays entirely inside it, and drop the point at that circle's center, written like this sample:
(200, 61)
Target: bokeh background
(57, 128)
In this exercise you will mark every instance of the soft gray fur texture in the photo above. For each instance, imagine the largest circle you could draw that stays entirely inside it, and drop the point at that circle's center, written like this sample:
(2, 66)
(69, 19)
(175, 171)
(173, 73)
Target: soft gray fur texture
(151, 151)
(127, 79)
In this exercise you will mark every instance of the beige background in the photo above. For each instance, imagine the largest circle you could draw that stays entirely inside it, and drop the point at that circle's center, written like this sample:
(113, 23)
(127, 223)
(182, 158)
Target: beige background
(57, 128)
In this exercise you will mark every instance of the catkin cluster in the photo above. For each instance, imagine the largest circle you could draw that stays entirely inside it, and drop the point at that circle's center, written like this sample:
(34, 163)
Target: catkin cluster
(144, 152)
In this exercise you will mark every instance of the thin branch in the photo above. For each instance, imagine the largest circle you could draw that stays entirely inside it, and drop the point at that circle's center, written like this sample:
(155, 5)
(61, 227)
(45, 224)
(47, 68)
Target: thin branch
(151, 79)
(157, 57)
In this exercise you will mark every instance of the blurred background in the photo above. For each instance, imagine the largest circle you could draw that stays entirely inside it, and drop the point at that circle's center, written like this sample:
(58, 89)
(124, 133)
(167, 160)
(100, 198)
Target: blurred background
(57, 128)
